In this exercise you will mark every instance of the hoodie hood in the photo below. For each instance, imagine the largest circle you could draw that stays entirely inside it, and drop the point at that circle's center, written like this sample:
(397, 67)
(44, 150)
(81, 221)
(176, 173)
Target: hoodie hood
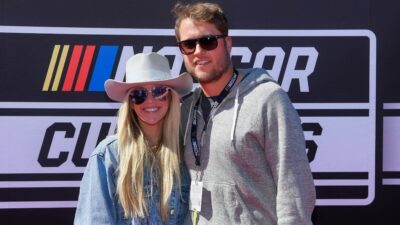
(251, 78)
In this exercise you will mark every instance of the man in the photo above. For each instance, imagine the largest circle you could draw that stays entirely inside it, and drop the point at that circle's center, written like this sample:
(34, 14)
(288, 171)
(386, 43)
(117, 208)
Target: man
(243, 141)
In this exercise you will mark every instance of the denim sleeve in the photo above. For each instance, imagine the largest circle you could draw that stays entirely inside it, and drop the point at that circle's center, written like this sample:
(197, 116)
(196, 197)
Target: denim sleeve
(97, 203)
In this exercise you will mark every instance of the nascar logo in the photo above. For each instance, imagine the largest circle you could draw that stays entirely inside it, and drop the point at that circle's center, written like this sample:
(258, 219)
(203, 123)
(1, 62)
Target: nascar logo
(78, 66)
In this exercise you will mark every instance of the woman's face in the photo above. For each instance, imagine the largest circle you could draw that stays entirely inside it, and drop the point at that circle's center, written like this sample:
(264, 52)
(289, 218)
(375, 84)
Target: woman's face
(150, 104)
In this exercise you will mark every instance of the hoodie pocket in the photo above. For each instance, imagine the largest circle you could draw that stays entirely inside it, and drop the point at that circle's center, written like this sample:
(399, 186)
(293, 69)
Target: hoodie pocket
(223, 203)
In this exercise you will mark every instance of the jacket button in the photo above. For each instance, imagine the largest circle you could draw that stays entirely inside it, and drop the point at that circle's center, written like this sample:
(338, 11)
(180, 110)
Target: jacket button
(171, 212)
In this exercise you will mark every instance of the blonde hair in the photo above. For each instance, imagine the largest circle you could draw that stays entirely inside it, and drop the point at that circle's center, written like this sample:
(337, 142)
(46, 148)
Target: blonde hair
(134, 154)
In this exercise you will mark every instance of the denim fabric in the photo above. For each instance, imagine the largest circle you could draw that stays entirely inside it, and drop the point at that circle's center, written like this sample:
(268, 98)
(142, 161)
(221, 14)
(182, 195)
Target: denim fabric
(98, 203)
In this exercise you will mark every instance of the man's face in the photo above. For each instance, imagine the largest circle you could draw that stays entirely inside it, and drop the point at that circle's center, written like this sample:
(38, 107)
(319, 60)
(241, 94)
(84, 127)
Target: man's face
(205, 65)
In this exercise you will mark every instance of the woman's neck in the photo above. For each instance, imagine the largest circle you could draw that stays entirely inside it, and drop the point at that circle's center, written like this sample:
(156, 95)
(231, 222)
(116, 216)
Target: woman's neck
(152, 133)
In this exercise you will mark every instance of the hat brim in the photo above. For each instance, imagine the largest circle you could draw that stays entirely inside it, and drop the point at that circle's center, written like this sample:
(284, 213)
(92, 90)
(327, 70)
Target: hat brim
(117, 90)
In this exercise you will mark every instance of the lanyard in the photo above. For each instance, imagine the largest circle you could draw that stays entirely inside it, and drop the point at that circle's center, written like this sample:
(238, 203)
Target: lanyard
(221, 96)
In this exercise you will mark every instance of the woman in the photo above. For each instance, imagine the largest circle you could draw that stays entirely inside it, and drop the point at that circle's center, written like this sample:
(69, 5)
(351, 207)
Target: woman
(137, 176)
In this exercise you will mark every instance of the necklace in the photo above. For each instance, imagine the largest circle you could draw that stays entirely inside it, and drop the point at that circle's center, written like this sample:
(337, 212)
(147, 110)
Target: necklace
(155, 148)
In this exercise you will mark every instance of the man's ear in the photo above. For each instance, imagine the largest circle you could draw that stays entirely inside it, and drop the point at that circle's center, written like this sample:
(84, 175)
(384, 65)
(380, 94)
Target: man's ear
(228, 43)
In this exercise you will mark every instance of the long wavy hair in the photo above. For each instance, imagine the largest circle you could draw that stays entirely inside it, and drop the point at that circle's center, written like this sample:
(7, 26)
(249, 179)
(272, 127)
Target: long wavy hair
(134, 154)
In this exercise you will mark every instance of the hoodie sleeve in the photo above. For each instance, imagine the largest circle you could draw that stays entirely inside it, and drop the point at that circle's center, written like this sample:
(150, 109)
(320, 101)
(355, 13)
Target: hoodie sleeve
(287, 158)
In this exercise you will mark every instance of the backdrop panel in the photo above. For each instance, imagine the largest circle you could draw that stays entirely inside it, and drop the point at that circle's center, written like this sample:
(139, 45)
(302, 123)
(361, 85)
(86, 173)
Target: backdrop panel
(337, 61)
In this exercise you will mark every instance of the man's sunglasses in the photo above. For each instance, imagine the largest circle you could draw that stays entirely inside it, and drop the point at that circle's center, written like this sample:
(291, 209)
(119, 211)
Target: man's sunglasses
(209, 42)
(139, 94)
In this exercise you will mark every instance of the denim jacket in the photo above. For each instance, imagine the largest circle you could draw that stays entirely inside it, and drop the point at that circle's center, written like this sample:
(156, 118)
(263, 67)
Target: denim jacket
(98, 202)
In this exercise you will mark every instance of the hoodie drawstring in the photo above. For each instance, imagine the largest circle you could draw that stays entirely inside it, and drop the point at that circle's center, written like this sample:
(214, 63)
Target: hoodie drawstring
(235, 114)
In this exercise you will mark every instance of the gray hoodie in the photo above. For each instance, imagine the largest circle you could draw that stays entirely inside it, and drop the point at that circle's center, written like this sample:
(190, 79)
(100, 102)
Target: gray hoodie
(254, 166)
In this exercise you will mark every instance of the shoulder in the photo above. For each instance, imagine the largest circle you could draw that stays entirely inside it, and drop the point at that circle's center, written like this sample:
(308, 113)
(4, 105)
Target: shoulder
(107, 147)
(259, 88)
(188, 100)
(256, 74)
(257, 81)
(103, 162)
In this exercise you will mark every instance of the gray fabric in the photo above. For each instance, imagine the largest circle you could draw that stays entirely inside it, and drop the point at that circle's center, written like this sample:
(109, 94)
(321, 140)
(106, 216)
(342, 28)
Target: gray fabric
(253, 159)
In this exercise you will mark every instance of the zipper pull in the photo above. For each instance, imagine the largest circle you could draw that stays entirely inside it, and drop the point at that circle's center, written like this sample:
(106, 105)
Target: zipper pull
(203, 134)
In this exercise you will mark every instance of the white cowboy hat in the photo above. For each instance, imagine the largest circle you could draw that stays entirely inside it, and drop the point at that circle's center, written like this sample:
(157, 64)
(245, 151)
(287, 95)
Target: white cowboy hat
(147, 68)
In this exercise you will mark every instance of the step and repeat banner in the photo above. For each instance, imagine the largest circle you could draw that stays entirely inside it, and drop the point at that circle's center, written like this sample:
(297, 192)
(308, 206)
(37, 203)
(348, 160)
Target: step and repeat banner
(54, 111)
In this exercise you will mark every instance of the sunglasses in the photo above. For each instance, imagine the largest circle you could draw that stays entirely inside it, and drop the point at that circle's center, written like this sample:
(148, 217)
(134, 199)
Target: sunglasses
(139, 95)
(209, 42)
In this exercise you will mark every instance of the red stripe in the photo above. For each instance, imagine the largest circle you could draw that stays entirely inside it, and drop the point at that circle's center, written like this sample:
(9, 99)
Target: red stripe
(73, 65)
(84, 71)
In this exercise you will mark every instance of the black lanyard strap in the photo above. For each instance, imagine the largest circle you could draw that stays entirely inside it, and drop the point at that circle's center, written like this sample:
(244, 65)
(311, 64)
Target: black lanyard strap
(219, 98)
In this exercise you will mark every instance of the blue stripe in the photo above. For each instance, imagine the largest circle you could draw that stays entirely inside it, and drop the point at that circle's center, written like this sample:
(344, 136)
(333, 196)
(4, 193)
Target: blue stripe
(103, 67)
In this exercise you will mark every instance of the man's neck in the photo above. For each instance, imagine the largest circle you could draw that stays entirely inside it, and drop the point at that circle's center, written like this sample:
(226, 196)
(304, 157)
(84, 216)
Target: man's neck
(214, 88)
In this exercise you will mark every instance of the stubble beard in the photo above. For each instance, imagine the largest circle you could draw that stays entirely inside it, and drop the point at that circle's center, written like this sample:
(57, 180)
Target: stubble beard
(215, 74)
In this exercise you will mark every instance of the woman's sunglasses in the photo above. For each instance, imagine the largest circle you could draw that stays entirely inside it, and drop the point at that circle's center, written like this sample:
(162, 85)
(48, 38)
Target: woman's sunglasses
(209, 42)
(139, 94)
